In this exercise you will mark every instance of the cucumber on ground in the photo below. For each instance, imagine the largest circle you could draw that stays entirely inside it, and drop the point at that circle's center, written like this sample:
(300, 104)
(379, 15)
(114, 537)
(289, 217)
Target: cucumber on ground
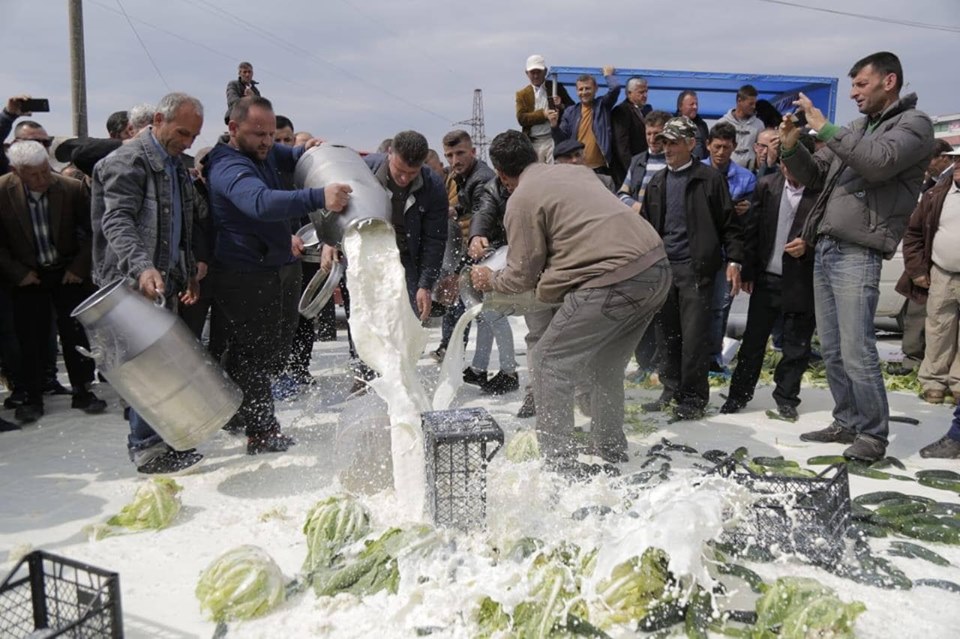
(826, 460)
(931, 532)
(942, 484)
(949, 475)
(915, 551)
(888, 509)
(872, 499)
(943, 584)
(861, 529)
(697, 619)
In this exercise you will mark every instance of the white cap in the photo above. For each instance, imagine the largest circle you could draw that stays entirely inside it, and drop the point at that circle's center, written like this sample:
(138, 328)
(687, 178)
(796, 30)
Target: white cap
(536, 62)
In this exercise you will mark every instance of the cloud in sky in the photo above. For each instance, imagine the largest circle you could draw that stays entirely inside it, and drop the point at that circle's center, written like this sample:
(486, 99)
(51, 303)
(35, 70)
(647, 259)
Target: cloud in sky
(358, 71)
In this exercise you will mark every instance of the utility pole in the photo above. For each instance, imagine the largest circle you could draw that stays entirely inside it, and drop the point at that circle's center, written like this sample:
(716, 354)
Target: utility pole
(476, 124)
(78, 74)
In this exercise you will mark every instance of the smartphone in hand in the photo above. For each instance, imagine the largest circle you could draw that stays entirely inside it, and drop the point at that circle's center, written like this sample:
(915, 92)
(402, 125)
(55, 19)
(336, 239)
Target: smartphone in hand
(35, 105)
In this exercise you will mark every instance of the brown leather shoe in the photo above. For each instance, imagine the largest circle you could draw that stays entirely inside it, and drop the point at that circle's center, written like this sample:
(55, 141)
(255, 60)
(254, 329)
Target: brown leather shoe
(933, 396)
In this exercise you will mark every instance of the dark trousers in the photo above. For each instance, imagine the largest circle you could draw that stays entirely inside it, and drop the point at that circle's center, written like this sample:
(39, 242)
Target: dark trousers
(647, 353)
(195, 316)
(291, 282)
(298, 365)
(683, 335)
(32, 319)
(765, 306)
(914, 342)
(251, 307)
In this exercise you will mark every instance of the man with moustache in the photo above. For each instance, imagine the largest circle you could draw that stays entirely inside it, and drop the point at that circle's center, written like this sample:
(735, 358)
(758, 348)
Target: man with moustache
(252, 214)
(142, 215)
(870, 173)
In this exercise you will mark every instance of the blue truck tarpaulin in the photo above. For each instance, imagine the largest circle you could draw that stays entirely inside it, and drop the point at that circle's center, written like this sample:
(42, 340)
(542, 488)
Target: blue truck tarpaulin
(716, 92)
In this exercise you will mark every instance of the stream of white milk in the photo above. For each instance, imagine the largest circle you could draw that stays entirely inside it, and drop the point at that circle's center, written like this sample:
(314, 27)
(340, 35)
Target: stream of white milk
(389, 338)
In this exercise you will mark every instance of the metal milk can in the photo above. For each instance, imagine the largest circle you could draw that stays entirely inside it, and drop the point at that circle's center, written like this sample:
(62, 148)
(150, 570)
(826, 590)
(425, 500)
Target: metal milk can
(157, 366)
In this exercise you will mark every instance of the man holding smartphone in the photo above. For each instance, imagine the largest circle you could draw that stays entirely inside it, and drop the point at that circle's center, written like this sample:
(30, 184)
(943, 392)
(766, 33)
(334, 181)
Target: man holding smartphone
(13, 110)
(870, 172)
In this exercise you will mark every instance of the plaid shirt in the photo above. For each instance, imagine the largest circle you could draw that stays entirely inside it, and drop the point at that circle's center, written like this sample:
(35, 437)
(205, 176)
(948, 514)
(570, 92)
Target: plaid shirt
(40, 216)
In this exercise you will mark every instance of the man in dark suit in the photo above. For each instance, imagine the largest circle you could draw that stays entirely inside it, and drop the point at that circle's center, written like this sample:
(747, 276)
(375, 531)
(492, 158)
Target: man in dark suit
(778, 282)
(45, 256)
(629, 131)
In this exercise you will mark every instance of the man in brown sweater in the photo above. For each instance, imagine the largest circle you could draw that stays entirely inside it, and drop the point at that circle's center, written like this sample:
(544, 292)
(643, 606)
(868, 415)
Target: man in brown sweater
(581, 248)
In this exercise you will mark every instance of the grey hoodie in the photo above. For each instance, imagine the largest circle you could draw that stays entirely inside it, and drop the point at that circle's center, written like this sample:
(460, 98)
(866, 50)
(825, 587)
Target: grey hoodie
(870, 180)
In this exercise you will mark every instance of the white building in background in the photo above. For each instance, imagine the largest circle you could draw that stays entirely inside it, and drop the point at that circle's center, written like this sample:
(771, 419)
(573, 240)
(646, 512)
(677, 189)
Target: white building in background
(948, 128)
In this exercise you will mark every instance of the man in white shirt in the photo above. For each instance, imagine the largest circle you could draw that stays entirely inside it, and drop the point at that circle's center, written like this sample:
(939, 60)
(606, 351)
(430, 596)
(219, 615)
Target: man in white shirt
(536, 107)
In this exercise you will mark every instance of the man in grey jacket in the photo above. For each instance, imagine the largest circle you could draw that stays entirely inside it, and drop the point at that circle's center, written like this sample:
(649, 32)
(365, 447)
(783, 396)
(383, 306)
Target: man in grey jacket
(142, 216)
(870, 174)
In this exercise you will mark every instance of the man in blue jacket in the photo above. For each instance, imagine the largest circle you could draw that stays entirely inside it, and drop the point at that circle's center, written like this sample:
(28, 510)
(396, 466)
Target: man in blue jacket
(589, 121)
(251, 215)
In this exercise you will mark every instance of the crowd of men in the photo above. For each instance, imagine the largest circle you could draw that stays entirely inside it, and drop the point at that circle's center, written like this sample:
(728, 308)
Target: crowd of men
(635, 226)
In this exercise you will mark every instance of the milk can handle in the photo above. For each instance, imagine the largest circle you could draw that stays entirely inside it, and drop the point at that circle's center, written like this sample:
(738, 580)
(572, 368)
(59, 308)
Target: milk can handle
(159, 301)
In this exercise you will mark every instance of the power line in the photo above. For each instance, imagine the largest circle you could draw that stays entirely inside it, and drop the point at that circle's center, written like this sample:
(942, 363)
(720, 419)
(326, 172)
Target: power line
(283, 43)
(206, 47)
(143, 45)
(862, 16)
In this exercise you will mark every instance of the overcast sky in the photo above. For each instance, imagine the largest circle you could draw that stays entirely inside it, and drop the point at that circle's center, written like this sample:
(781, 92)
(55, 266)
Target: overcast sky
(357, 71)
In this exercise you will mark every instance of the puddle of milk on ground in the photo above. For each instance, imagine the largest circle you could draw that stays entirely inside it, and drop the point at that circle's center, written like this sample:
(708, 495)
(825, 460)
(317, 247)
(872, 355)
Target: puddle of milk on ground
(389, 338)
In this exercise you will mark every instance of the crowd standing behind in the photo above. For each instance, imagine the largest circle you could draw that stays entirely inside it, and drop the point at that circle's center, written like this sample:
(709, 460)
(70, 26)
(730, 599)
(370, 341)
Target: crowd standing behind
(639, 226)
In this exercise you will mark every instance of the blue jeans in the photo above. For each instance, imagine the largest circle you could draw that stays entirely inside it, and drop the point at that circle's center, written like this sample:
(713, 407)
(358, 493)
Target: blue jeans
(141, 437)
(846, 280)
(954, 432)
(493, 325)
(719, 314)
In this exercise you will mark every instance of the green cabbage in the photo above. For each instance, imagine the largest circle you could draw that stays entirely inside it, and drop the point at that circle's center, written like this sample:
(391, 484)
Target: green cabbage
(242, 583)
(155, 505)
(523, 447)
(375, 568)
(332, 524)
(634, 587)
(802, 608)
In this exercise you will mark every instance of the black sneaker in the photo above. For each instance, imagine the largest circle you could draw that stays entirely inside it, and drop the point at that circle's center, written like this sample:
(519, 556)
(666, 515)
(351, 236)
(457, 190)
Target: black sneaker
(439, 354)
(88, 403)
(788, 412)
(170, 462)
(866, 449)
(687, 412)
(16, 398)
(732, 406)
(54, 387)
(6, 426)
(832, 434)
(271, 441)
(657, 405)
(235, 425)
(28, 413)
(610, 456)
(474, 376)
(528, 408)
(501, 384)
(943, 448)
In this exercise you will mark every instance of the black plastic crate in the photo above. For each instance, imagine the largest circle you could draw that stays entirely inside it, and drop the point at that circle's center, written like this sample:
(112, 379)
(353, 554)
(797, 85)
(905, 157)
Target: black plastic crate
(64, 597)
(458, 444)
(808, 517)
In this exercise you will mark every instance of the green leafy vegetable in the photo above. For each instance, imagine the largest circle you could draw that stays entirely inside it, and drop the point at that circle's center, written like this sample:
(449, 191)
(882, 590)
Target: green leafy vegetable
(332, 524)
(375, 567)
(634, 587)
(797, 608)
(154, 507)
(523, 447)
(242, 583)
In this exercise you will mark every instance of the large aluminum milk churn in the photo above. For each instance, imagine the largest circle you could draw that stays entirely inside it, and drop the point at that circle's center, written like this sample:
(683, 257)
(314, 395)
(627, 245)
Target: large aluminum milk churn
(156, 364)
(332, 163)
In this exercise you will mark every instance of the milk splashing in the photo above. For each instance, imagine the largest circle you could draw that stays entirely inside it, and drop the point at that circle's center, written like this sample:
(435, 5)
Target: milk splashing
(389, 338)
(451, 372)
